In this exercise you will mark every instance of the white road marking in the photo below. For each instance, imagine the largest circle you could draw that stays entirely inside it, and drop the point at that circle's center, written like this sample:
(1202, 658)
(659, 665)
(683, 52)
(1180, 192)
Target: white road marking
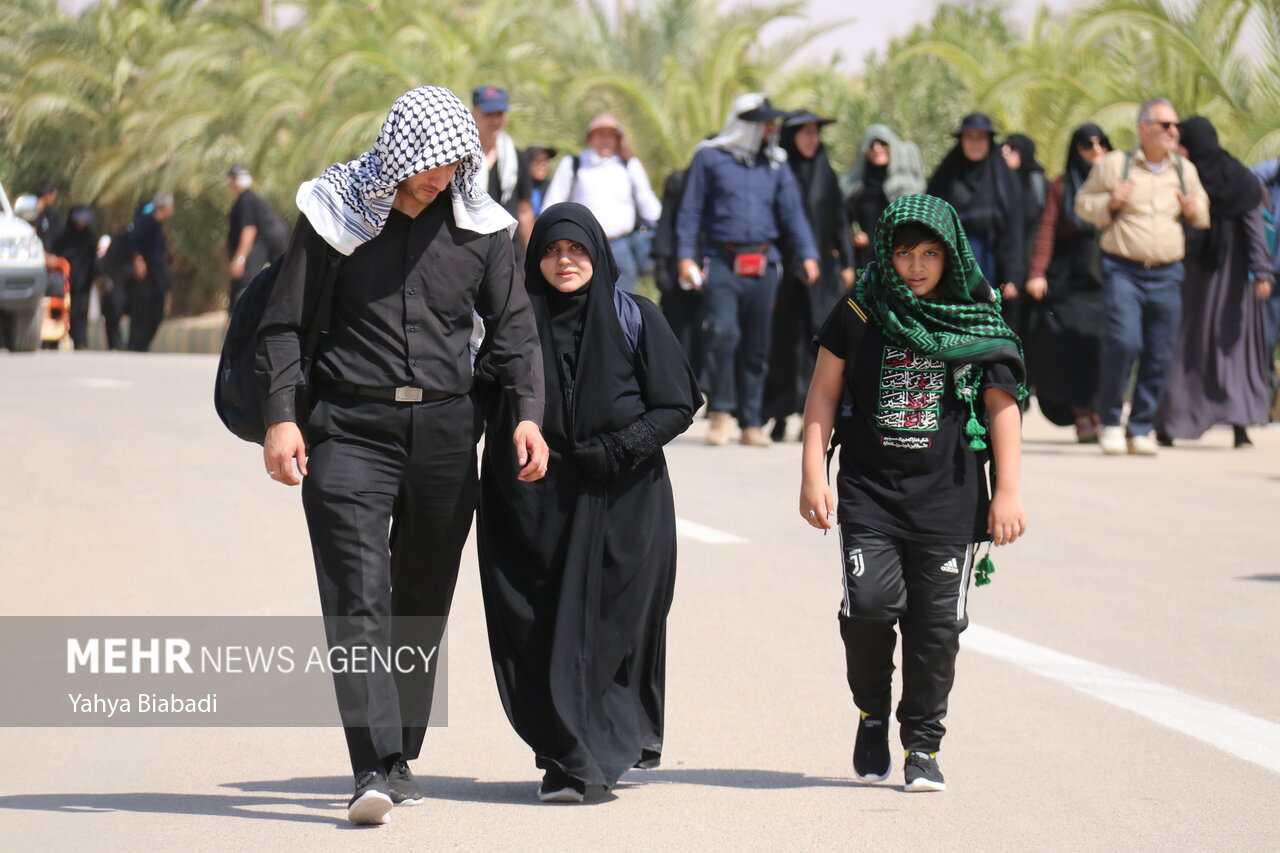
(708, 535)
(98, 382)
(1243, 735)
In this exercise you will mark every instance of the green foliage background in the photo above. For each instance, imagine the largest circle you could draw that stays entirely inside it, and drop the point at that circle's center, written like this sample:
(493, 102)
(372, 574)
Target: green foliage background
(132, 96)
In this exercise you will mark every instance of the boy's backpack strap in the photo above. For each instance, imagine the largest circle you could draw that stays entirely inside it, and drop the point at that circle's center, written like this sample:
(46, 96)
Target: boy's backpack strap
(855, 331)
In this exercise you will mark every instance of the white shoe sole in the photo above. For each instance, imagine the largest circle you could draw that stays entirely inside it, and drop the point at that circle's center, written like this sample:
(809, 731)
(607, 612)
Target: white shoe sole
(922, 785)
(564, 795)
(373, 808)
(419, 801)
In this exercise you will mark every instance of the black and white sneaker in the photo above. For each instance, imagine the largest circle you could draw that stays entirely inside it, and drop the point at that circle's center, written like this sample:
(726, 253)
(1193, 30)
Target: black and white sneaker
(371, 803)
(559, 787)
(872, 761)
(404, 789)
(922, 773)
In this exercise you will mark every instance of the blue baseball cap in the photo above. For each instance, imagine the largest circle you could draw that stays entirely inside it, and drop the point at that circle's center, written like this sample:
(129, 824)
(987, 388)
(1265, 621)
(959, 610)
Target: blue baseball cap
(489, 99)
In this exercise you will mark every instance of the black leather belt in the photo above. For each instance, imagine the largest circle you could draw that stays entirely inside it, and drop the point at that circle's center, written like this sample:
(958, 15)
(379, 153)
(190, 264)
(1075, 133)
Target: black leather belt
(403, 394)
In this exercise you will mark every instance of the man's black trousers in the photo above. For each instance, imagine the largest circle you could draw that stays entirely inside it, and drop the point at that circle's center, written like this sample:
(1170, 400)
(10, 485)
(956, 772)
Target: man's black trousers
(389, 496)
(922, 587)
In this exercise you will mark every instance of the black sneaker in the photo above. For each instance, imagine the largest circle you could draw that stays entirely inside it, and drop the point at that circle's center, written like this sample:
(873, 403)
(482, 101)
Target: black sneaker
(559, 787)
(922, 773)
(871, 759)
(404, 789)
(371, 803)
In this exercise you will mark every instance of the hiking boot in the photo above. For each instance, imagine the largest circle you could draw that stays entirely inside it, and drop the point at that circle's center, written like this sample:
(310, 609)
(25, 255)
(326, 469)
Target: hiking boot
(559, 787)
(872, 761)
(1143, 445)
(1112, 441)
(922, 773)
(404, 789)
(718, 428)
(371, 804)
(755, 437)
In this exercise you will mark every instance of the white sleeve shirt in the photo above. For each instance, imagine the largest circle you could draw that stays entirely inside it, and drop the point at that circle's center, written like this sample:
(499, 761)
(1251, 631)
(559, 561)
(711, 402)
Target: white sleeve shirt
(612, 190)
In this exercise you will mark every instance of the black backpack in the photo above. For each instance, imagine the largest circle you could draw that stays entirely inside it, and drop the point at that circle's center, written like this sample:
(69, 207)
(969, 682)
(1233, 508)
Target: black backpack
(238, 396)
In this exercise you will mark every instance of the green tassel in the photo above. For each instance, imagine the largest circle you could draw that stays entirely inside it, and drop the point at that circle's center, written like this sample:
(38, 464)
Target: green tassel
(975, 430)
(985, 569)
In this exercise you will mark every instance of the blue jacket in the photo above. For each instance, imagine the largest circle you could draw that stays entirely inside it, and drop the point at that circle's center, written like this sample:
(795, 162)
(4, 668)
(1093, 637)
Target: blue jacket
(727, 202)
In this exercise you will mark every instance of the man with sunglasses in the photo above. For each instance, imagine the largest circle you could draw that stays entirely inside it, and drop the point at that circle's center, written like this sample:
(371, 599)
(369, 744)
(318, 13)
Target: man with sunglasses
(1139, 201)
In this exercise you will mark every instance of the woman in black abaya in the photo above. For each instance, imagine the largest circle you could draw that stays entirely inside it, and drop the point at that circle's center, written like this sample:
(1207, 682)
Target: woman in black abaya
(578, 569)
(800, 308)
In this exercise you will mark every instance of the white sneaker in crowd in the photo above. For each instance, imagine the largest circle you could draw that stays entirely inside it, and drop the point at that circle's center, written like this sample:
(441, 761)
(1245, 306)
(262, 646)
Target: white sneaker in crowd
(1143, 445)
(1112, 441)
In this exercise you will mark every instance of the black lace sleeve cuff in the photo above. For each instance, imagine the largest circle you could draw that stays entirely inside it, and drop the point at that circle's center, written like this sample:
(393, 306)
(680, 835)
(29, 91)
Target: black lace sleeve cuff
(631, 445)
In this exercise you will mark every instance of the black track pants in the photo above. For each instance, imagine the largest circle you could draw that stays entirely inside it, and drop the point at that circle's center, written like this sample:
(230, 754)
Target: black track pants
(922, 587)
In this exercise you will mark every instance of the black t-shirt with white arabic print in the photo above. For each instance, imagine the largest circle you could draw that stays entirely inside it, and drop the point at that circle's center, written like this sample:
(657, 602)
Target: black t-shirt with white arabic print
(905, 464)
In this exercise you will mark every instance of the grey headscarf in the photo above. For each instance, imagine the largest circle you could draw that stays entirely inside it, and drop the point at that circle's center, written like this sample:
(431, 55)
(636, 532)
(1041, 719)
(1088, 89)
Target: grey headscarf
(906, 169)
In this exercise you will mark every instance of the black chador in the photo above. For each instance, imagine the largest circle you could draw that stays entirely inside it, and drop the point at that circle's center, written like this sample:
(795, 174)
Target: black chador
(578, 568)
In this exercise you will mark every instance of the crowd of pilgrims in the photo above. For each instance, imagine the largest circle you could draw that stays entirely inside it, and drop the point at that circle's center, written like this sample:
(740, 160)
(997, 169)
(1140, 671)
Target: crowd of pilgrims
(1022, 228)
(1029, 242)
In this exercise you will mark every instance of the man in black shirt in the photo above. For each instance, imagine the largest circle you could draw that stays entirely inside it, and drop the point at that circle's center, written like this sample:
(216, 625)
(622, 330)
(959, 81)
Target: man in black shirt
(253, 230)
(152, 275)
(389, 441)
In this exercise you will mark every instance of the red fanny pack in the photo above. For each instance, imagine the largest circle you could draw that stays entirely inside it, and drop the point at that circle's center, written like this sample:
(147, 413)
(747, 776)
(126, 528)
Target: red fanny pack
(750, 264)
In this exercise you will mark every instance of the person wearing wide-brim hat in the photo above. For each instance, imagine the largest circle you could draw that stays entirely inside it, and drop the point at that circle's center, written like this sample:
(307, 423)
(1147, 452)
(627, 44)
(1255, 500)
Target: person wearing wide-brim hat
(800, 308)
(986, 193)
(610, 181)
(739, 203)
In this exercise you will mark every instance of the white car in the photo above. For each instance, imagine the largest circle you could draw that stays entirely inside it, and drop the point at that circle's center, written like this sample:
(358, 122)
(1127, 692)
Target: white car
(22, 280)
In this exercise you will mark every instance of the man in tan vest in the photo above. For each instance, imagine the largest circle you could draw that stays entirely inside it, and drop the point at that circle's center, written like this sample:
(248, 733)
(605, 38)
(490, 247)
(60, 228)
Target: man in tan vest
(1139, 200)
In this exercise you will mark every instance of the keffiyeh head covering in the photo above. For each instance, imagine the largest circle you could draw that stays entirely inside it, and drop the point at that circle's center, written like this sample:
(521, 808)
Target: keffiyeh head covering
(743, 139)
(964, 324)
(426, 128)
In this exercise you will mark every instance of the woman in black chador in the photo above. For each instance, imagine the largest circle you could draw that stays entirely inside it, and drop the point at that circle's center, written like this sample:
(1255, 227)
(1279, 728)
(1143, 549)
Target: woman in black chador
(578, 568)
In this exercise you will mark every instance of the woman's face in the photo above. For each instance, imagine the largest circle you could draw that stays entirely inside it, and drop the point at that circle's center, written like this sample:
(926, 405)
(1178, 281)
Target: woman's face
(566, 265)
(976, 144)
(1094, 151)
(807, 140)
(878, 153)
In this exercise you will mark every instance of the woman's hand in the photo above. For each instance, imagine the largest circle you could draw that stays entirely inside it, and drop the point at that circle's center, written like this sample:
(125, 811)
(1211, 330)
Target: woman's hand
(1037, 287)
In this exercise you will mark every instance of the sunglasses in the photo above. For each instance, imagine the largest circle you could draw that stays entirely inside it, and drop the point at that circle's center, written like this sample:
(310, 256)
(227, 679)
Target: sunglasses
(1167, 125)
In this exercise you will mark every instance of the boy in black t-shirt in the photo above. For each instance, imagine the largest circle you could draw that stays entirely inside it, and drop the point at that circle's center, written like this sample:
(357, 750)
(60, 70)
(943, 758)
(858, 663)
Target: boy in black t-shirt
(921, 369)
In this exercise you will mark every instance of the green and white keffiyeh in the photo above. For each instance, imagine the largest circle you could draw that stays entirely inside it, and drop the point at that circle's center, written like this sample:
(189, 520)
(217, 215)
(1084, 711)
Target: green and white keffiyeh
(963, 326)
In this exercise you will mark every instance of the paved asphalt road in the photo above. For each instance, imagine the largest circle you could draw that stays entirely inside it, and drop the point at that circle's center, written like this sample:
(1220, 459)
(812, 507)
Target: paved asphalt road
(1120, 688)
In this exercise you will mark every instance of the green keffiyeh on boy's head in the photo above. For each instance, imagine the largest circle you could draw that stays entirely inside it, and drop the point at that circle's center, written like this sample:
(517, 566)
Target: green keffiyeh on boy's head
(963, 323)
(960, 324)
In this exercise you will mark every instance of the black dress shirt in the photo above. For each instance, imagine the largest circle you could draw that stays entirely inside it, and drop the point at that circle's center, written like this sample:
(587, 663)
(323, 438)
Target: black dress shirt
(401, 313)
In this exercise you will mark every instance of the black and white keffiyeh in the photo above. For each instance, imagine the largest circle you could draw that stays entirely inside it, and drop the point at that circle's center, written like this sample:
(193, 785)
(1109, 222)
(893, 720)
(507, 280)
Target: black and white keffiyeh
(426, 128)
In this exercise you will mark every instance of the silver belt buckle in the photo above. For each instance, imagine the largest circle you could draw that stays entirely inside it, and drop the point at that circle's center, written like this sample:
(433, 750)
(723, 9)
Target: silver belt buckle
(406, 394)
